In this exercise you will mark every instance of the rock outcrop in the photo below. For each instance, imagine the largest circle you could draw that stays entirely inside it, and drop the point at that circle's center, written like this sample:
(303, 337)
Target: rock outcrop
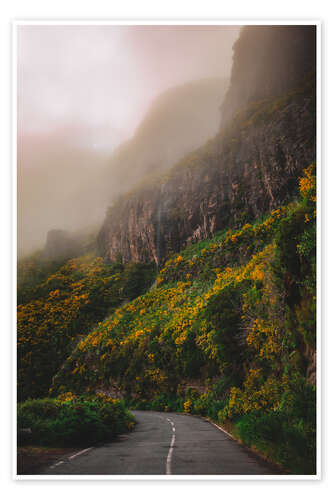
(269, 61)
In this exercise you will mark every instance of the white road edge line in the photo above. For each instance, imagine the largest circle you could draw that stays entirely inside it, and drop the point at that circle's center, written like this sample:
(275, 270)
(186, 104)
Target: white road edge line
(70, 458)
(222, 430)
(56, 465)
(168, 462)
(79, 453)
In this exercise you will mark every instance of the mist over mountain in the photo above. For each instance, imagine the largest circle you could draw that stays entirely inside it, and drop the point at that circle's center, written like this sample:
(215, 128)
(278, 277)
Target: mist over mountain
(68, 185)
(82, 92)
(58, 188)
(178, 121)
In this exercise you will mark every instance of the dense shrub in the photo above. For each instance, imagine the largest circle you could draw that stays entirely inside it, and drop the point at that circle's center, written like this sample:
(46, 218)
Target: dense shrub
(72, 420)
(31, 272)
(63, 307)
(287, 441)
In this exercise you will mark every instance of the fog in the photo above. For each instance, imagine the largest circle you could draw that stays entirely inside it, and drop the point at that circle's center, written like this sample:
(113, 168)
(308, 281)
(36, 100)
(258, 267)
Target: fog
(82, 92)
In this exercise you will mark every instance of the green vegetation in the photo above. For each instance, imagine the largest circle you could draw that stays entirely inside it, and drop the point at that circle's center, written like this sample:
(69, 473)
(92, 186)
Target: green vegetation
(31, 272)
(262, 111)
(228, 332)
(60, 308)
(72, 420)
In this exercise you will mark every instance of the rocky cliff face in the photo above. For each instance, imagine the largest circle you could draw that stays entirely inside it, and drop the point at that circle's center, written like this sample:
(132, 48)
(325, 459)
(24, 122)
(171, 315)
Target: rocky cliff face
(268, 61)
(252, 166)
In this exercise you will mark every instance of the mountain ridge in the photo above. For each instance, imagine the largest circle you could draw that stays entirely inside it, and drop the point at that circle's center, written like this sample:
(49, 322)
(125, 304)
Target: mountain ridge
(250, 167)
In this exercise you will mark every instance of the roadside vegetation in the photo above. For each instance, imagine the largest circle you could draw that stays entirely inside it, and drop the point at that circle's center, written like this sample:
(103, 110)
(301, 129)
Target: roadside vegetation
(228, 332)
(71, 420)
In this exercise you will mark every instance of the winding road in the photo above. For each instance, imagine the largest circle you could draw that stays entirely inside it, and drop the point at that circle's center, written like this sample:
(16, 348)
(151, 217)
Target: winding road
(165, 444)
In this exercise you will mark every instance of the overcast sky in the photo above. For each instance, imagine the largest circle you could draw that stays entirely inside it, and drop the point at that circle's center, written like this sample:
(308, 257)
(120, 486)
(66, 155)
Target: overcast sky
(101, 79)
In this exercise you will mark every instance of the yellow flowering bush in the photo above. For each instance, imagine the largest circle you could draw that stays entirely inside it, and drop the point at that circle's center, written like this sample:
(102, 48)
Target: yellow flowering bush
(307, 183)
(187, 406)
(58, 312)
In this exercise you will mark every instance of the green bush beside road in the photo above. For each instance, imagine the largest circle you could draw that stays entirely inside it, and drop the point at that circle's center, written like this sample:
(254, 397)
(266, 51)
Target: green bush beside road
(72, 420)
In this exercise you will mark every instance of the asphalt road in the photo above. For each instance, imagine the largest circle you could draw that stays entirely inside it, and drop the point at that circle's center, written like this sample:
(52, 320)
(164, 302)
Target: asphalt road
(165, 443)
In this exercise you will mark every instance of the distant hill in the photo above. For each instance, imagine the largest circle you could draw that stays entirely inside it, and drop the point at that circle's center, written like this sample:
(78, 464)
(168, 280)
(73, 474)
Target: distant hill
(179, 120)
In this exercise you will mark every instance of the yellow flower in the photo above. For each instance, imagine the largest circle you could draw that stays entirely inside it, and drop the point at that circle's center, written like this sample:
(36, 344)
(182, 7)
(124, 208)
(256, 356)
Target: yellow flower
(187, 406)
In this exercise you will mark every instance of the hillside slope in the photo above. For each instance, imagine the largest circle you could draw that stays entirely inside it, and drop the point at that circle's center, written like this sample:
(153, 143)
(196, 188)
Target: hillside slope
(228, 332)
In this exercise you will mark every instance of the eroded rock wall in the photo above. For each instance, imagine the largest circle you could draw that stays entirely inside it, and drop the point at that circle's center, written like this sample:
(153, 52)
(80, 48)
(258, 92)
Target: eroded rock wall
(244, 172)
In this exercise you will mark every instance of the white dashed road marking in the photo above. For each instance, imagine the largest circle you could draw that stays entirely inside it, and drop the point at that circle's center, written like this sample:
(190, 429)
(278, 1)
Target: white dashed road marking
(168, 462)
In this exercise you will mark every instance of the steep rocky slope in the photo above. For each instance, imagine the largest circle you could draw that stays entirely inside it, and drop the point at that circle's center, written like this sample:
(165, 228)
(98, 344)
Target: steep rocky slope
(269, 61)
(241, 174)
(249, 168)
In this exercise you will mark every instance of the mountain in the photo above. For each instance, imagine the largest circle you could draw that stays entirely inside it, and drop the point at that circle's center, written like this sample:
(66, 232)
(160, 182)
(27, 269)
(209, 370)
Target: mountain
(268, 62)
(74, 183)
(178, 121)
(251, 167)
